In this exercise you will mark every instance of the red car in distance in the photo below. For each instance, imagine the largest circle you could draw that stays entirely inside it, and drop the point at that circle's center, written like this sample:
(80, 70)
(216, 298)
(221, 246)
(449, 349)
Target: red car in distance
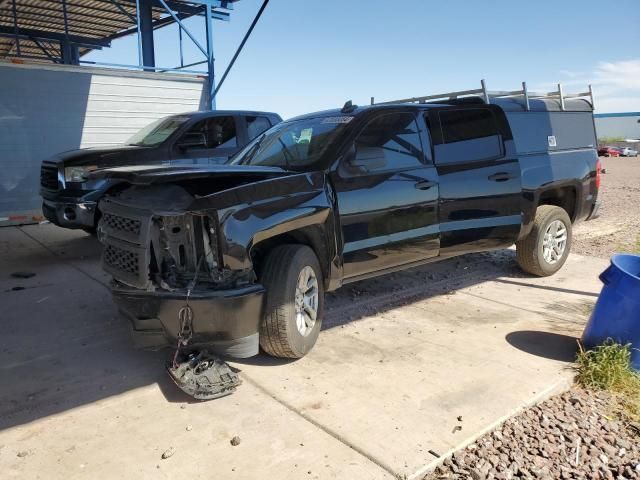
(608, 152)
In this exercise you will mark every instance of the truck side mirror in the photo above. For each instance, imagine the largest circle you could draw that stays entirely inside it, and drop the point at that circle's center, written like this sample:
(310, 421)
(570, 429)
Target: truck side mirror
(192, 140)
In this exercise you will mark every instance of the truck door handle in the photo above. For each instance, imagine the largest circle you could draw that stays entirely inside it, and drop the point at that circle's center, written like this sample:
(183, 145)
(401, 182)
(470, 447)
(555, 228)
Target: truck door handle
(425, 185)
(501, 177)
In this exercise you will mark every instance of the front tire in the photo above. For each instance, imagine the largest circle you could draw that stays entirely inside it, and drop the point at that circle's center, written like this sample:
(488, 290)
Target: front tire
(294, 301)
(546, 248)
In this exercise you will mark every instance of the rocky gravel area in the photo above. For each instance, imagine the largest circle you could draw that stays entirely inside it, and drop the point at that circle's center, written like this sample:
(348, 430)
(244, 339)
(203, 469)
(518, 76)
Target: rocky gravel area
(618, 227)
(570, 436)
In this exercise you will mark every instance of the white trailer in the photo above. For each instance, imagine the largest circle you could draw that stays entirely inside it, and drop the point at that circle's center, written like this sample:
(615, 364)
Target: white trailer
(47, 109)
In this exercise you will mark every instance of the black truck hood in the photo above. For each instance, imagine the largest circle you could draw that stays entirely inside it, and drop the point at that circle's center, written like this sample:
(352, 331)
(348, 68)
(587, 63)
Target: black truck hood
(155, 174)
(100, 156)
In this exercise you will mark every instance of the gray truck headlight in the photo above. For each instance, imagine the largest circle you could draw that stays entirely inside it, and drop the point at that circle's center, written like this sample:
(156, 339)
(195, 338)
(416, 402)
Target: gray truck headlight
(78, 174)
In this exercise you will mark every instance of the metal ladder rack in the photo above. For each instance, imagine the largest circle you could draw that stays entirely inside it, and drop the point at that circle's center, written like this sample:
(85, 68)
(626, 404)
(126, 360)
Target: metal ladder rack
(487, 95)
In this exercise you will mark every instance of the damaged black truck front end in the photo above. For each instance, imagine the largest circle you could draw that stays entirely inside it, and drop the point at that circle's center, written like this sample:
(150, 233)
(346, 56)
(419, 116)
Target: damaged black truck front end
(178, 237)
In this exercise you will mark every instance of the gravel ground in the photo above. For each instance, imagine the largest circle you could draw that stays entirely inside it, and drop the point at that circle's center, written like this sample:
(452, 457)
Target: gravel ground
(618, 227)
(573, 435)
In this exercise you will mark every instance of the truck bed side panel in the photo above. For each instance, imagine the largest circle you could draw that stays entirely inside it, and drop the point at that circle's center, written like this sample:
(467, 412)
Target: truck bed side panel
(556, 150)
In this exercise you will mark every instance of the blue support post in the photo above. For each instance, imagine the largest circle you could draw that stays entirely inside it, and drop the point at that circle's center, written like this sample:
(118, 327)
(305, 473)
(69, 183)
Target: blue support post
(146, 32)
(15, 27)
(211, 80)
(140, 63)
(181, 47)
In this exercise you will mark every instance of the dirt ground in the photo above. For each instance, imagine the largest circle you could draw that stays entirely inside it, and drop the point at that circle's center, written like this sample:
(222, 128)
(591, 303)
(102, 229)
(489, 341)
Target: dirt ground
(618, 227)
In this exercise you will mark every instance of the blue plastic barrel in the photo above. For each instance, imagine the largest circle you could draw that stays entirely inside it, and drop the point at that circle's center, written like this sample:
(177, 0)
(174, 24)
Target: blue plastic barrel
(617, 311)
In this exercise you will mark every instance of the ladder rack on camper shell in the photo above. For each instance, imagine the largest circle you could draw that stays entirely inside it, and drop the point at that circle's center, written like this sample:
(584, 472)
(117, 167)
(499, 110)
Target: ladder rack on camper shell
(487, 95)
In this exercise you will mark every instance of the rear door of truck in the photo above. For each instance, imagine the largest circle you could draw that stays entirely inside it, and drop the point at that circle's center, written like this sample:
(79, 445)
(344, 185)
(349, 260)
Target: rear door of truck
(479, 175)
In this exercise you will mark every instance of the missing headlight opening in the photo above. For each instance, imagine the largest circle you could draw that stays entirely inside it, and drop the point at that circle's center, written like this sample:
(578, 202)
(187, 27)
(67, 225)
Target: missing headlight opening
(174, 260)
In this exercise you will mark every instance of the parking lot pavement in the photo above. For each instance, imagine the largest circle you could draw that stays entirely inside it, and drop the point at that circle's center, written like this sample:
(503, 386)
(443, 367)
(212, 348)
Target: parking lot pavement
(402, 362)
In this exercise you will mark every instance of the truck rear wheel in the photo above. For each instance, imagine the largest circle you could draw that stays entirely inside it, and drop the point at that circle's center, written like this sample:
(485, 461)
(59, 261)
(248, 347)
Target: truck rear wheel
(294, 301)
(546, 248)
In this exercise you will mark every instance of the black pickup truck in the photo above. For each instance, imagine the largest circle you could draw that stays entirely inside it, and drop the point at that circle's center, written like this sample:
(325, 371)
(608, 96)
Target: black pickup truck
(251, 247)
(69, 198)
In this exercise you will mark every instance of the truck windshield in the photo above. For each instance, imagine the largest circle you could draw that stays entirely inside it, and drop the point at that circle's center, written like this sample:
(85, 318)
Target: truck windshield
(294, 145)
(157, 132)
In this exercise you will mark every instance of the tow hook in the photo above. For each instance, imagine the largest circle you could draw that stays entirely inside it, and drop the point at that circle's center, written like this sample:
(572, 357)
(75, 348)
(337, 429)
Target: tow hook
(203, 376)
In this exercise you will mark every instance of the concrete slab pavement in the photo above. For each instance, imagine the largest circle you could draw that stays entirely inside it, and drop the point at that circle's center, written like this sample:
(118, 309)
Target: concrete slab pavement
(400, 358)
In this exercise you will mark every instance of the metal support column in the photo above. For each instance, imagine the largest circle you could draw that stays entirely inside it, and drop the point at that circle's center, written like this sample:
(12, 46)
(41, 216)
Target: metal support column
(15, 26)
(146, 34)
(211, 80)
(68, 51)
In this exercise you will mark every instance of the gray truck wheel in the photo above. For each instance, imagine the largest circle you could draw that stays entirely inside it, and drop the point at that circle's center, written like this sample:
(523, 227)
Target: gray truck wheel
(546, 248)
(295, 301)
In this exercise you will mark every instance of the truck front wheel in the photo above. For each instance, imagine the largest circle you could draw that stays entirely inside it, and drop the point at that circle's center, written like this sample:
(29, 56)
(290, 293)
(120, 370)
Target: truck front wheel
(294, 301)
(546, 248)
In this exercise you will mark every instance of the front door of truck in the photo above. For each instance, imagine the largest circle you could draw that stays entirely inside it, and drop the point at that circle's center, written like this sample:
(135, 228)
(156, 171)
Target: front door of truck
(480, 181)
(387, 194)
(209, 141)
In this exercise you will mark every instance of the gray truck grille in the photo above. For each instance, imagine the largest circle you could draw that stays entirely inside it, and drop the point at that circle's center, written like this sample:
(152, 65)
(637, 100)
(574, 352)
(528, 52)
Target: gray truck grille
(122, 224)
(121, 259)
(124, 231)
(49, 177)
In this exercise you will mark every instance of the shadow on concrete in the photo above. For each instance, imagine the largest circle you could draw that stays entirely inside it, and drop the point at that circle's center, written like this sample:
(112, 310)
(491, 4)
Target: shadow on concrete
(65, 345)
(554, 346)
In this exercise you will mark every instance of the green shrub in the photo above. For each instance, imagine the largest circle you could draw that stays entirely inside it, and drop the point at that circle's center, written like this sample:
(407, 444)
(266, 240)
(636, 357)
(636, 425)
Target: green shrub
(608, 367)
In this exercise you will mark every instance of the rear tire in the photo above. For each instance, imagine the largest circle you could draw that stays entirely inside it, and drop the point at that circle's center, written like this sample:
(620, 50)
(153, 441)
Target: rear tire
(293, 280)
(546, 248)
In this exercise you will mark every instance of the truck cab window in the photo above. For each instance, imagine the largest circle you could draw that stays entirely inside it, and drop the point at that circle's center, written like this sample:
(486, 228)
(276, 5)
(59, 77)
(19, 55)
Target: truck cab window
(257, 125)
(218, 132)
(389, 142)
(468, 135)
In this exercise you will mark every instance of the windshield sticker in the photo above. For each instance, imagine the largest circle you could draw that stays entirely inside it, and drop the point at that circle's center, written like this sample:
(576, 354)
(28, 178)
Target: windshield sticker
(336, 120)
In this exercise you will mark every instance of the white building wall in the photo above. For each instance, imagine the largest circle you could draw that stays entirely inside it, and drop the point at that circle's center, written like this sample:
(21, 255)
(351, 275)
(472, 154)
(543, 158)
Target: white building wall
(47, 109)
(626, 127)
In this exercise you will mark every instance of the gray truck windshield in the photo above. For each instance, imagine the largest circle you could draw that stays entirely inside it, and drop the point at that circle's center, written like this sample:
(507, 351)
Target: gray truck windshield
(292, 145)
(157, 132)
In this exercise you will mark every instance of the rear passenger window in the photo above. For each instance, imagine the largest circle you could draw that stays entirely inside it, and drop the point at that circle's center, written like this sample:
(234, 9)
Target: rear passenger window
(468, 135)
(257, 125)
(389, 142)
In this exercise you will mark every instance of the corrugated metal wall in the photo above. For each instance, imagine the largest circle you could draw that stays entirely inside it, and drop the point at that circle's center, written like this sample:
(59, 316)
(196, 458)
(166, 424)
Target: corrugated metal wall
(47, 109)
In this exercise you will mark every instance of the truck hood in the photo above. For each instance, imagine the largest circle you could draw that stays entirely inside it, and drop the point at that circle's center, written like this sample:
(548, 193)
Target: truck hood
(100, 156)
(155, 174)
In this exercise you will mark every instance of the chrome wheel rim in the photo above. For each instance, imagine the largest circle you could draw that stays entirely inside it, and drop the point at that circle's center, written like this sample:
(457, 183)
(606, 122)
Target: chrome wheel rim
(554, 242)
(306, 301)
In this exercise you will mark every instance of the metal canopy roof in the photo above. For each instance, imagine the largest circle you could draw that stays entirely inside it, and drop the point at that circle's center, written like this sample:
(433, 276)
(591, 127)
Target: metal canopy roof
(36, 29)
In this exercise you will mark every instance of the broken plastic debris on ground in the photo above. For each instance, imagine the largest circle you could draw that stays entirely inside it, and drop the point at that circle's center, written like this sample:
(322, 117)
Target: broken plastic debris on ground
(203, 376)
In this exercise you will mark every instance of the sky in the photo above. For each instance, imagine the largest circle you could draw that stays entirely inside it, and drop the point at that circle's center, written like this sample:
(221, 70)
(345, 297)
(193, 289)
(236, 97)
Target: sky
(307, 55)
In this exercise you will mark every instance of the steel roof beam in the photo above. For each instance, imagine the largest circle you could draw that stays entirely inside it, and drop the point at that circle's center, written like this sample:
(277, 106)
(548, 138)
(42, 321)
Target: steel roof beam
(79, 40)
(156, 24)
(177, 7)
(72, 5)
(32, 19)
(124, 11)
(71, 13)
(41, 25)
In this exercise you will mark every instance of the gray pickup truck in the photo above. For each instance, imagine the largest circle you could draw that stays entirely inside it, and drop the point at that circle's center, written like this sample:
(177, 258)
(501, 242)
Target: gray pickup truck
(248, 249)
